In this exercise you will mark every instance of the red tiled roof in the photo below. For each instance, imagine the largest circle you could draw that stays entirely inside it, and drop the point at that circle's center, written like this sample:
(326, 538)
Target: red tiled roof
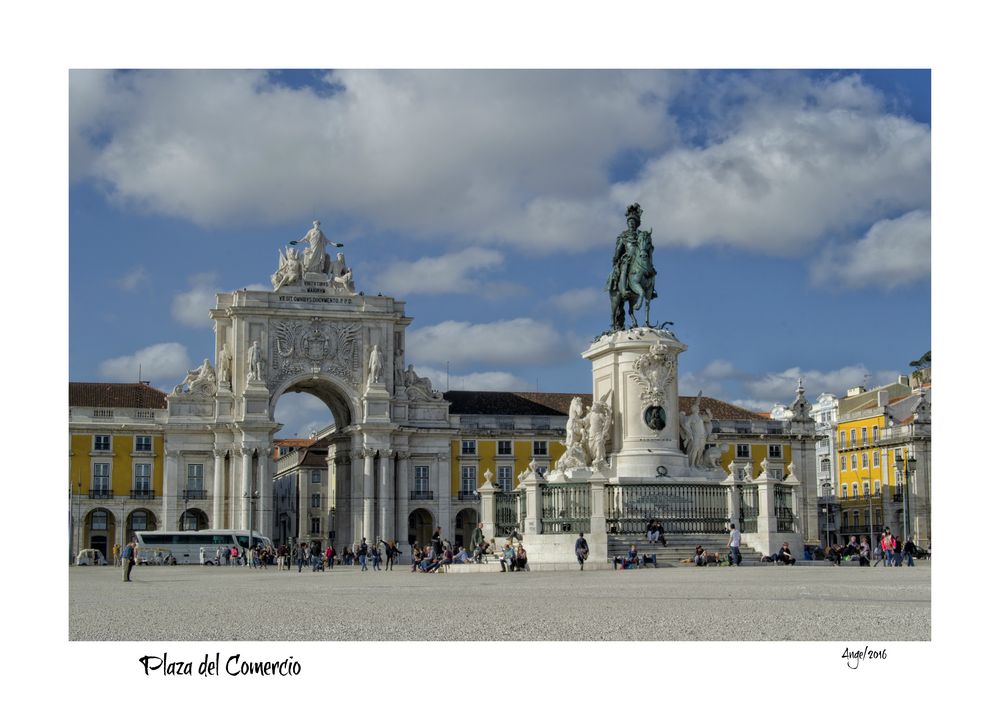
(138, 395)
(719, 409)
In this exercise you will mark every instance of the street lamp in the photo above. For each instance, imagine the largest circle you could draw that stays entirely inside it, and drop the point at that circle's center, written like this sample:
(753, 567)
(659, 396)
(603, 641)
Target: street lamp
(826, 510)
(905, 468)
(251, 496)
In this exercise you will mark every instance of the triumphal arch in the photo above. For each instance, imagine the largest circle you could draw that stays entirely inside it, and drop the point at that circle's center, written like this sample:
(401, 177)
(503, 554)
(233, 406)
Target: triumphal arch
(314, 333)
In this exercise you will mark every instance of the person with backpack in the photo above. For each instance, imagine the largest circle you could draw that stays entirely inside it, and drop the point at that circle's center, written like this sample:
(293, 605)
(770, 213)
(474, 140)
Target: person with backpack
(128, 561)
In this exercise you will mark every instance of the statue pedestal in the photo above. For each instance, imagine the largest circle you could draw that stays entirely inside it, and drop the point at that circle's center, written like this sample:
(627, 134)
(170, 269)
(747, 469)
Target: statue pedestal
(376, 404)
(638, 367)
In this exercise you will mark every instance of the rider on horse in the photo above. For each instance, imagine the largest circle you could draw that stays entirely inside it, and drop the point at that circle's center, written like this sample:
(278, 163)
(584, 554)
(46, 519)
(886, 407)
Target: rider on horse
(632, 275)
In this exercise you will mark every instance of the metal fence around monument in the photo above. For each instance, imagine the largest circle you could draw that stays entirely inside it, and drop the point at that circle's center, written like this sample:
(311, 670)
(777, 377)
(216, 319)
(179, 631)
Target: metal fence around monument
(508, 512)
(683, 509)
(565, 508)
(783, 508)
(749, 508)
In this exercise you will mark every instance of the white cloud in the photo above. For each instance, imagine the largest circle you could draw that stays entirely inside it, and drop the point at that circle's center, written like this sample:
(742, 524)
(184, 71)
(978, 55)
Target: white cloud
(800, 158)
(160, 362)
(131, 280)
(780, 386)
(893, 253)
(509, 342)
(458, 272)
(493, 381)
(579, 301)
(191, 307)
(301, 414)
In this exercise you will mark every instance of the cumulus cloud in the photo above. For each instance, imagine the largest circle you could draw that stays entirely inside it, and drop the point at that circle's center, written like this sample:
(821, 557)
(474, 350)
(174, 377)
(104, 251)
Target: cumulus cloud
(159, 362)
(798, 159)
(894, 252)
(578, 301)
(424, 151)
(131, 280)
(191, 307)
(457, 272)
(509, 342)
(493, 381)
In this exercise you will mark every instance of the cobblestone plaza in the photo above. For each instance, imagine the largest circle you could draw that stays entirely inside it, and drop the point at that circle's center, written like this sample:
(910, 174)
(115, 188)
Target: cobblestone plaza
(801, 603)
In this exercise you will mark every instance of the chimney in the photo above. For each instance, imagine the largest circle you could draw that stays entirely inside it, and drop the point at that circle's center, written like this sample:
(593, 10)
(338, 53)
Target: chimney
(883, 398)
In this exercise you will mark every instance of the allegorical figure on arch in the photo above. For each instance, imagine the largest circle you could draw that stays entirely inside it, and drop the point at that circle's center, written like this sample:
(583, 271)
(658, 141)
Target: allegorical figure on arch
(632, 280)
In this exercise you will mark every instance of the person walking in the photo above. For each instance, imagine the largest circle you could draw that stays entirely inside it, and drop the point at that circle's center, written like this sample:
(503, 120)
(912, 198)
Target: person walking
(302, 554)
(116, 553)
(128, 561)
(582, 550)
(734, 545)
(363, 555)
(908, 549)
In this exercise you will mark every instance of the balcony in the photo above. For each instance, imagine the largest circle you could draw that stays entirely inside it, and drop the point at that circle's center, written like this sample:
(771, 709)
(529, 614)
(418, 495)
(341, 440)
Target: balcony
(142, 493)
(421, 495)
(194, 494)
(468, 495)
(104, 493)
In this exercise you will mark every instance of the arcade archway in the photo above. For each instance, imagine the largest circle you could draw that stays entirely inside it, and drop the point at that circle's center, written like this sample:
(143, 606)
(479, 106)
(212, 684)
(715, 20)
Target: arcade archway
(420, 527)
(465, 525)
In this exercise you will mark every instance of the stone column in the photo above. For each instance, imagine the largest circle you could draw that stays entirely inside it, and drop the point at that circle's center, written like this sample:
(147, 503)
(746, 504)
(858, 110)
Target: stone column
(368, 521)
(385, 493)
(331, 491)
(245, 487)
(265, 503)
(357, 495)
(767, 522)
(733, 499)
(218, 488)
(533, 503)
(487, 500)
(342, 520)
(443, 493)
(402, 497)
(171, 463)
(303, 490)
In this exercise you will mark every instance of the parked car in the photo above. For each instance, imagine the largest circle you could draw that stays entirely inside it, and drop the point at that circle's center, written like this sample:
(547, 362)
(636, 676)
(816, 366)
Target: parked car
(90, 556)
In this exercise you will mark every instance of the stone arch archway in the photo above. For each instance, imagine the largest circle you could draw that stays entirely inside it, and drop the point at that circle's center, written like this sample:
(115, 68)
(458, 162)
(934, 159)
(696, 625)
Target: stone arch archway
(193, 519)
(420, 526)
(139, 520)
(331, 391)
(99, 531)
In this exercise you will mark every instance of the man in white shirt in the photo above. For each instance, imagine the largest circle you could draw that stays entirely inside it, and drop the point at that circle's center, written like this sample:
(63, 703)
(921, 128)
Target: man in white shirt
(734, 545)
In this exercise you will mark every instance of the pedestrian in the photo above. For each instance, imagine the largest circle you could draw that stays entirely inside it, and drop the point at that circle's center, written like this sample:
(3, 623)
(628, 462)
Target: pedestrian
(582, 550)
(436, 547)
(735, 558)
(908, 549)
(128, 561)
(363, 555)
(477, 537)
(116, 552)
(302, 554)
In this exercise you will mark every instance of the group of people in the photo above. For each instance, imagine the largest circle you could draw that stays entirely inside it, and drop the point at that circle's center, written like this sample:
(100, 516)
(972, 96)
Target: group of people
(891, 551)
(633, 560)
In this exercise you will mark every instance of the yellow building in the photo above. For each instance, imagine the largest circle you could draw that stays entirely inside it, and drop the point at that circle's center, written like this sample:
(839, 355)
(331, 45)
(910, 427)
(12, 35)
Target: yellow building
(877, 434)
(115, 463)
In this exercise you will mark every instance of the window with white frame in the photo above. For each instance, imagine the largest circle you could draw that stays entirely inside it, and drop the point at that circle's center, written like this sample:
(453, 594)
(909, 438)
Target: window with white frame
(878, 487)
(139, 520)
(540, 448)
(143, 478)
(843, 490)
(195, 477)
(876, 458)
(843, 439)
(315, 526)
(774, 451)
(875, 432)
(854, 490)
(468, 479)
(843, 463)
(143, 443)
(99, 520)
(102, 477)
(102, 442)
(505, 477)
(421, 479)
(743, 451)
(864, 459)
(504, 448)
(315, 500)
(854, 436)
(865, 487)
(864, 435)
(857, 519)
(468, 447)
(316, 477)
(854, 461)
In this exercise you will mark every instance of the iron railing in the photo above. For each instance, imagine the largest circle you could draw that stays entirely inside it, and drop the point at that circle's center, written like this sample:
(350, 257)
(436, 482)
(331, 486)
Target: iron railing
(508, 511)
(783, 508)
(749, 508)
(687, 508)
(100, 493)
(194, 494)
(142, 493)
(468, 495)
(565, 508)
(421, 495)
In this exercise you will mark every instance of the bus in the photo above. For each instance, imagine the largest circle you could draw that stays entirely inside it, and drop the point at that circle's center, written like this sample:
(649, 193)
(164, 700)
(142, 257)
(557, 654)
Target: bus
(185, 545)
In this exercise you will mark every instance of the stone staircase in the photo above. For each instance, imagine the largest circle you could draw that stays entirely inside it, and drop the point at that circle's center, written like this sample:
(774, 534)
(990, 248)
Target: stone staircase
(679, 547)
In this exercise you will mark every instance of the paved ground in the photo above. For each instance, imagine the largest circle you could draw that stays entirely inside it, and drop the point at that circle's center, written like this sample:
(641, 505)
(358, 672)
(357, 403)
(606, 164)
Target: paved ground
(680, 604)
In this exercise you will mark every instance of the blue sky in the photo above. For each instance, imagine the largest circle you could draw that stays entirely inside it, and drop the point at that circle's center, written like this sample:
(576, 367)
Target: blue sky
(790, 215)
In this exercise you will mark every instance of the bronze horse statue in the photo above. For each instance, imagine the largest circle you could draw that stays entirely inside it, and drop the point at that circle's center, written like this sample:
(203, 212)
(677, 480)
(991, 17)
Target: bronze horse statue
(637, 286)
